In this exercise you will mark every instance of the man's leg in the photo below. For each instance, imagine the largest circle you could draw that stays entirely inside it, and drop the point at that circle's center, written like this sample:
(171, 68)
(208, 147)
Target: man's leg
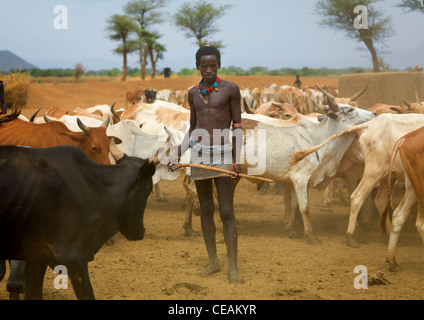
(225, 192)
(207, 208)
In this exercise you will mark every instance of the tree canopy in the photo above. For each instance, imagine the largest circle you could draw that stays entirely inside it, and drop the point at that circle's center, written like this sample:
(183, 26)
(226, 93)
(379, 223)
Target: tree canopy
(341, 15)
(120, 27)
(199, 21)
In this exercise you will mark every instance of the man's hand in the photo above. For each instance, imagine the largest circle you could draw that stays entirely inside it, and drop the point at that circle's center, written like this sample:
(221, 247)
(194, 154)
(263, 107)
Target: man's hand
(236, 168)
(173, 159)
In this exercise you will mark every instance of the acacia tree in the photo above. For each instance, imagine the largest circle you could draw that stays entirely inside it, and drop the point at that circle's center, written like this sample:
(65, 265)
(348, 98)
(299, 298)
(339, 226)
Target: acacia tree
(120, 28)
(412, 5)
(145, 13)
(340, 15)
(153, 49)
(199, 21)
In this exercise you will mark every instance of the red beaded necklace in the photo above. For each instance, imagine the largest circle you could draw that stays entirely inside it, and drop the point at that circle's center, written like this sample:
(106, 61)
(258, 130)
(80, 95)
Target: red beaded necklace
(209, 90)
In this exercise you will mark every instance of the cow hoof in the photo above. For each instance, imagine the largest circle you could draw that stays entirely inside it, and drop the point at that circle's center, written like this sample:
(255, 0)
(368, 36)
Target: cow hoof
(293, 234)
(352, 242)
(394, 267)
(13, 296)
(311, 239)
(190, 233)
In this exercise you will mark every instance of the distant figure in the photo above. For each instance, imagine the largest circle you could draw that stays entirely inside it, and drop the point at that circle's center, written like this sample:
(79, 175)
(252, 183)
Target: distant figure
(3, 108)
(297, 83)
(167, 72)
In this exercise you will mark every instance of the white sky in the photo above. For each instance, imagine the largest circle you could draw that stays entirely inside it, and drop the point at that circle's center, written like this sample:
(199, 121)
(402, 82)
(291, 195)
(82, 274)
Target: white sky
(268, 33)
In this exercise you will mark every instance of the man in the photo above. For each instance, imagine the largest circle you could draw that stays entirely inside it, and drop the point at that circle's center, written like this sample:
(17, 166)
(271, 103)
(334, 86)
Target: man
(297, 83)
(214, 109)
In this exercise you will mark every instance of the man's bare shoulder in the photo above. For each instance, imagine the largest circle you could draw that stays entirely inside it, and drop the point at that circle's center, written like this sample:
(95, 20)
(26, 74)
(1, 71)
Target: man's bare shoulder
(230, 85)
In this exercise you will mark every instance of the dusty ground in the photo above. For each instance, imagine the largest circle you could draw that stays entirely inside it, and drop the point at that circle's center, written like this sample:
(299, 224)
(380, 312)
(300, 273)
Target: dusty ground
(165, 264)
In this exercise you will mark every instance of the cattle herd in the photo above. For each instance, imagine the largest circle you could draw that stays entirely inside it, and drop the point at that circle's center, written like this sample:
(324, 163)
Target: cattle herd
(92, 170)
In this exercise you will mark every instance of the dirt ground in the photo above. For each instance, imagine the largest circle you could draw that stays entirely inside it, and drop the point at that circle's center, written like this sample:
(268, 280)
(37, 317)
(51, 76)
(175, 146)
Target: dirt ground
(165, 265)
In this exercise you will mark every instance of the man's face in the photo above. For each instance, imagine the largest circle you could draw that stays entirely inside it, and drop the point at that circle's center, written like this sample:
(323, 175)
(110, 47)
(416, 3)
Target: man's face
(208, 67)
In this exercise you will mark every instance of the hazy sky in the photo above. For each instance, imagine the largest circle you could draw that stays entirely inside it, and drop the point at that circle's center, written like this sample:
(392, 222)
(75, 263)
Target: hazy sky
(269, 33)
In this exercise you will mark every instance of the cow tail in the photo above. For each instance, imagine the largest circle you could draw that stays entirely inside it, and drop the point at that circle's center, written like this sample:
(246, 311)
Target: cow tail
(300, 155)
(383, 215)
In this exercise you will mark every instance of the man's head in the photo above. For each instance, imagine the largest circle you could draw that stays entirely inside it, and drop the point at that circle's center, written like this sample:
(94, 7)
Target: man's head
(208, 61)
(206, 51)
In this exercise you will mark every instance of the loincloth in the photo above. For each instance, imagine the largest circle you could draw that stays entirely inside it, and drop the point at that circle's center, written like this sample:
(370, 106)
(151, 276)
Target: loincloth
(218, 156)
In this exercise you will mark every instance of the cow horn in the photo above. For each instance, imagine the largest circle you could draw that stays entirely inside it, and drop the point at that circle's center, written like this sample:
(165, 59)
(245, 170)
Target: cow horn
(114, 150)
(318, 107)
(277, 105)
(155, 160)
(325, 92)
(357, 95)
(46, 118)
(82, 126)
(407, 103)
(34, 115)
(247, 108)
(333, 105)
(112, 109)
(106, 122)
(168, 132)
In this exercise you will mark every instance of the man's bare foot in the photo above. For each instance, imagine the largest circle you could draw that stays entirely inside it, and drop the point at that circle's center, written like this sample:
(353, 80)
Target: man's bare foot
(233, 277)
(210, 269)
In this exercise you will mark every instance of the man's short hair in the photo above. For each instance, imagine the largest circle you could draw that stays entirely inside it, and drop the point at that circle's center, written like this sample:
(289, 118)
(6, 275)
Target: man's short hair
(208, 50)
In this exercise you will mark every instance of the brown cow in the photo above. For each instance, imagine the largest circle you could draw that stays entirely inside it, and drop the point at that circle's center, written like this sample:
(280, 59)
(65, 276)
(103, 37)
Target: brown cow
(93, 140)
(411, 150)
(132, 97)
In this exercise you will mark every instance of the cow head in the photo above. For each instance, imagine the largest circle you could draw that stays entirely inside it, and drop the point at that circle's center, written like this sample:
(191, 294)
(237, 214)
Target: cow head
(350, 100)
(347, 113)
(92, 140)
(131, 220)
(150, 95)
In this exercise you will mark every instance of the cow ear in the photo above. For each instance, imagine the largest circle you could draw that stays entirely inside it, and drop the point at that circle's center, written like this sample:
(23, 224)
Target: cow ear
(332, 115)
(321, 117)
(117, 140)
(147, 169)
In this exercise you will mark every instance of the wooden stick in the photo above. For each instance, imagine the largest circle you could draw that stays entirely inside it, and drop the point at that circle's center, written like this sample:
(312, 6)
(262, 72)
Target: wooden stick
(202, 166)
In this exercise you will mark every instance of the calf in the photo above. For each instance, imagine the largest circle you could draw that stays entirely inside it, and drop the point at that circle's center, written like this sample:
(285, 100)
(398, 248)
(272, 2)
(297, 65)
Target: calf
(60, 207)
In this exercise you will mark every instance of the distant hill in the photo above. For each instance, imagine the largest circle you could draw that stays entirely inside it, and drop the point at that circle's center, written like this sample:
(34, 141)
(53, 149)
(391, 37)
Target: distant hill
(9, 60)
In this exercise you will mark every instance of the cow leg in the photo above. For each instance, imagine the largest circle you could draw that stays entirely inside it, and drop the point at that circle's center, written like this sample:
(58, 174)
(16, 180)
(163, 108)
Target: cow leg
(292, 212)
(301, 189)
(400, 216)
(362, 191)
(264, 188)
(287, 191)
(34, 278)
(190, 201)
(158, 193)
(278, 187)
(16, 282)
(78, 273)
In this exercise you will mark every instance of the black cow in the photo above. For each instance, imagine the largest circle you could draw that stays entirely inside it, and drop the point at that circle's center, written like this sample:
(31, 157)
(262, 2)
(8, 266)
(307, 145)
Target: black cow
(150, 95)
(59, 208)
(167, 72)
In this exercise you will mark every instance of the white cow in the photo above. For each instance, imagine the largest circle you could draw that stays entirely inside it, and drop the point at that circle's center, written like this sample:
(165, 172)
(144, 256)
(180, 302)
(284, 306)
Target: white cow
(164, 95)
(376, 143)
(282, 142)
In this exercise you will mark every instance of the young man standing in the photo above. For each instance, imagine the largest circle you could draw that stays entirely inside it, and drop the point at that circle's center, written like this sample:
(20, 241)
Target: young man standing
(214, 111)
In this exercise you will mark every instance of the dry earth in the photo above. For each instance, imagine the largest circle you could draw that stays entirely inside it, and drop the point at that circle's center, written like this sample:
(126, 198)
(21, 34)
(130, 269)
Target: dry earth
(165, 264)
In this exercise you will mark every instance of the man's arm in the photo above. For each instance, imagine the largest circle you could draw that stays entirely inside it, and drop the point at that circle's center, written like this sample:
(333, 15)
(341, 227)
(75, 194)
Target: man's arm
(237, 129)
